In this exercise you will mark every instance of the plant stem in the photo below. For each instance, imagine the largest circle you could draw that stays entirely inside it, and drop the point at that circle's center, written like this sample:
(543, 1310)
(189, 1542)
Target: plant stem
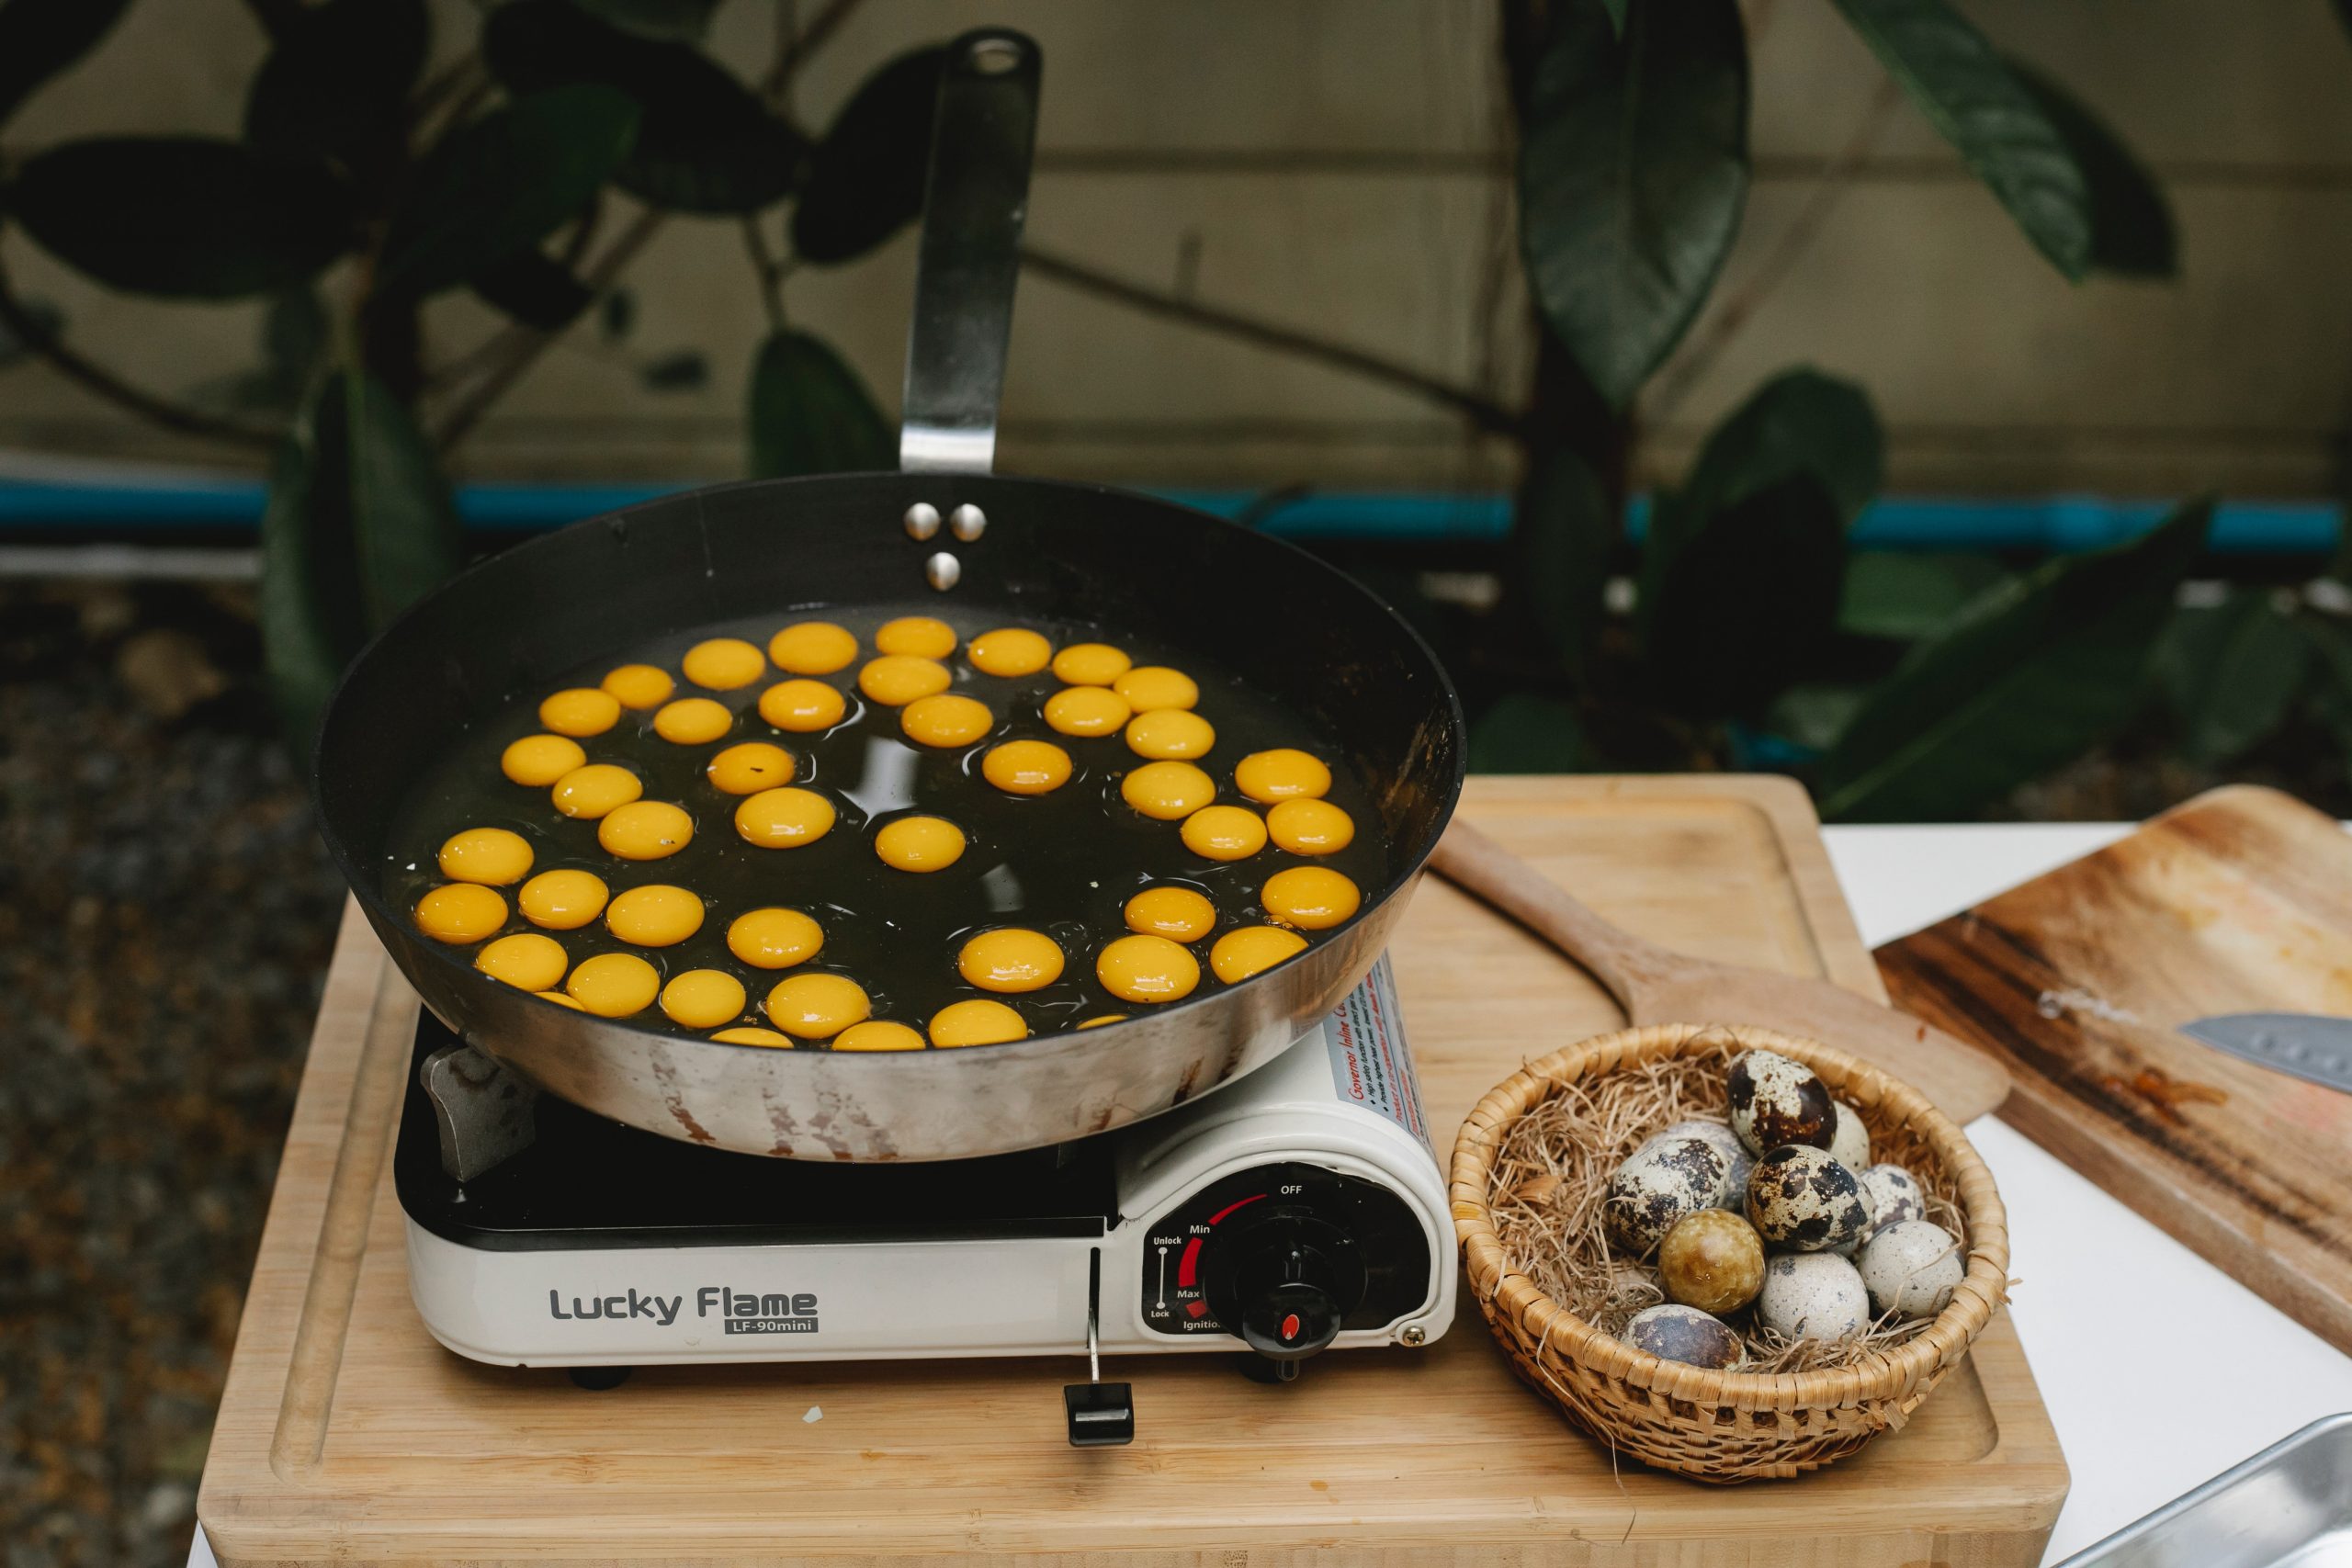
(768, 269)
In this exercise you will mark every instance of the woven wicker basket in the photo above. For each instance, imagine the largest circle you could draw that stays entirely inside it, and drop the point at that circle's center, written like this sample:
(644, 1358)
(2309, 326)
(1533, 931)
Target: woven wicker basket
(1718, 1426)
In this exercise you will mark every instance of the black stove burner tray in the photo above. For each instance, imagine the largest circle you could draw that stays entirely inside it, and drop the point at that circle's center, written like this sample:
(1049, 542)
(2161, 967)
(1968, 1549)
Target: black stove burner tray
(587, 1182)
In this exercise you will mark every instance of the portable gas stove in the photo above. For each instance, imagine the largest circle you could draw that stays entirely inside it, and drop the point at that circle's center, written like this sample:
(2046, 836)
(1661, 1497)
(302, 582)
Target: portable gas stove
(1298, 1210)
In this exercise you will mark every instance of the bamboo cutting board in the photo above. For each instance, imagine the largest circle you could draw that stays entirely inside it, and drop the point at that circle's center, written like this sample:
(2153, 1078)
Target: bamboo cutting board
(347, 1435)
(2240, 900)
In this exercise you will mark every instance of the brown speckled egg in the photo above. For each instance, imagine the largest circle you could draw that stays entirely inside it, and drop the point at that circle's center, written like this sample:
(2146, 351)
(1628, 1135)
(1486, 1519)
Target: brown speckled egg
(1657, 1185)
(1911, 1269)
(1895, 1198)
(1685, 1333)
(1813, 1295)
(1849, 1141)
(1775, 1101)
(1725, 1142)
(1799, 1199)
(1712, 1260)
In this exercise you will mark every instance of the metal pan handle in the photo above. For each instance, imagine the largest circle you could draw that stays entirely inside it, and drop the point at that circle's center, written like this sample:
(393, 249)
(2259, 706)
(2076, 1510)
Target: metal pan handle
(974, 201)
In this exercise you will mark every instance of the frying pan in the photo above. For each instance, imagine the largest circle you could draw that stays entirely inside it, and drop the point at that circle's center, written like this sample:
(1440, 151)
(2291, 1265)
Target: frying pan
(1294, 629)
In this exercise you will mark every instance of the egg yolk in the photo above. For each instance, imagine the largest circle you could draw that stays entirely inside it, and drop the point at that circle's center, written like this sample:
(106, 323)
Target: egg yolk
(1090, 664)
(540, 760)
(1146, 969)
(1310, 826)
(588, 793)
(1242, 952)
(1026, 767)
(581, 711)
(645, 830)
(1087, 711)
(692, 721)
(812, 648)
(749, 1035)
(817, 1007)
(920, 843)
(978, 1021)
(774, 939)
(750, 767)
(723, 663)
(945, 720)
(1224, 832)
(491, 856)
(1151, 687)
(703, 998)
(802, 706)
(1281, 774)
(525, 960)
(1311, 897)
(1167, 791)
(639, 685)
(1009, 650)
(1170, 732)
(460, 912)
(1177, 913)
(877, 1035)
(784, 818)
(656, 914)
(1106, 1018)
(560, 999)
(897, 679)
(614, 985)
(919, 636)
(1012, 959)
(563, 900)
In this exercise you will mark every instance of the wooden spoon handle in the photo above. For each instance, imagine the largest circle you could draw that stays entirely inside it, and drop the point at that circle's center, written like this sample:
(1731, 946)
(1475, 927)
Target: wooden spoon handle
(1618, 960)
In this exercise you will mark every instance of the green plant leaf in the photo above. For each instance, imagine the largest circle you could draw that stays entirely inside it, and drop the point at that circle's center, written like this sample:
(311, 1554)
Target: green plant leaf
(1633, 170)
(183, 217)
(866, 177)
(1562, 542)
(502, 184)
(1903, 597)
(293, 337)
(2131, 227)
(673, 21)
(1749, 603)
(1948, 69)
(1524, 733)
(534, 289)
(46, 320)
(2031, 673)
(336, 84)
(1813, 713)
(1617, 9)
(2231, 672)
(811, 415)
(40, 37)
(617, 317)
(704, 143)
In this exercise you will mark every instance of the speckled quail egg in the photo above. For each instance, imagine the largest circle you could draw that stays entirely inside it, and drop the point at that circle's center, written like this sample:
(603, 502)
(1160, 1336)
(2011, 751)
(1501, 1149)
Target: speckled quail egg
(1895, 1198)
(1803, 1200)
(1775, 1101)
(1657, 1185)
(1674, 1333)
(1813, 1295)
(1712, 1260)
(1725, 1142)
(1849, 1141)
(1911, 1269)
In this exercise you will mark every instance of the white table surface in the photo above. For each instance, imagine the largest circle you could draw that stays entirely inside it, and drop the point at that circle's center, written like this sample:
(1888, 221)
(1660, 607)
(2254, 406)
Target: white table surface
(2141, 1422)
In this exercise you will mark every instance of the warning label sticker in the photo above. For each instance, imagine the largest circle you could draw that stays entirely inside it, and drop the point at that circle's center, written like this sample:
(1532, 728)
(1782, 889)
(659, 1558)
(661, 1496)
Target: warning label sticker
(1370, 1063)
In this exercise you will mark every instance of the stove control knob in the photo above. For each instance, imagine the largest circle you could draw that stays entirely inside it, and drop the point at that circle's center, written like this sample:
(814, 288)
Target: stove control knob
(1289, 1298)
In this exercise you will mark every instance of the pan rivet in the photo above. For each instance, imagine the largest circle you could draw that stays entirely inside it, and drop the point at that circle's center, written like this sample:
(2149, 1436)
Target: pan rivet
(967, 521)
(1413, 1334)
(923, 520)
(942, 570)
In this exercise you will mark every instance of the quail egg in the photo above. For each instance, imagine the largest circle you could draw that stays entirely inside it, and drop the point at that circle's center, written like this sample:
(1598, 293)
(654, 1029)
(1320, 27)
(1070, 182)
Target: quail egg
(1775, 1101)
(1802, 1200)
(1911, 1269)
(1685, 1333)
(1657, 1185)
(1849, 1141)
(1712, 1260)
(1895, 1198)
(1725, 1142)
(1813, 1295)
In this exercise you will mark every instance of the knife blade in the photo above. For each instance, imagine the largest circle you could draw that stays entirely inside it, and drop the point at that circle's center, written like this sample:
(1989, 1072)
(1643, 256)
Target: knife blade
(2310, 1046)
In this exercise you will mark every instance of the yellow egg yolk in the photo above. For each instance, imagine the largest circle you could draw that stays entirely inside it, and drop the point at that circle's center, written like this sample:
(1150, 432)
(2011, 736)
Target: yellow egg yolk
(919, 636)
(978, 1021)
(1087, 711)
(645, 830)
(656, 914)
(1177, 913)
(639, 685)
(1146, 969)
(703, 998)
(560, 999)
(460, 912)
(750, 1035)
(540, 760)
(1009, 650)
(1170, 732)
(723, 663)
(1090, 664)
(491, 856)
(581, 711)
(614, 985)
(817, 1007)
(774, 939)
(692, 721)
(784, 818)
(812, 648)
(563, 900)
(1310, 896)
(897, 679)
(877, 1035)
(1026, 767)
(1247, 950)
(1106, 1018)
(920, 843)
(527, 960)
(1310, 826)
(1281, 774)
(945, 720)
(588, 793)
(1168, 790)
(1224, 832)
(1012, 959)
(1151, 687)
(802, 706)
(750, 767)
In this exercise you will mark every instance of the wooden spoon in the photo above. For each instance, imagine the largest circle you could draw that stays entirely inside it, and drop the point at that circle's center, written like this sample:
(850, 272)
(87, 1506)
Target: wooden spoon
(1656, 985)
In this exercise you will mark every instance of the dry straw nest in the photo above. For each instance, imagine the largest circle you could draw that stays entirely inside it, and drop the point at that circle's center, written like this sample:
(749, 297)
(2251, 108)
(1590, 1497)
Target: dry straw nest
(1529, 1169)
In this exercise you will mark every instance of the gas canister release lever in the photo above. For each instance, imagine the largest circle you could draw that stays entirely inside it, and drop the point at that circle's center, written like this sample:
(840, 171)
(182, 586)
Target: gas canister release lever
(1101, 1415)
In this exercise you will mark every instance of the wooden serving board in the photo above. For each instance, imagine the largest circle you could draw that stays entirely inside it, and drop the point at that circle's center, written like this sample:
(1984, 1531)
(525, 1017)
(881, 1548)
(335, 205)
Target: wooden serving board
(347, 1435)
(2239, 901)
